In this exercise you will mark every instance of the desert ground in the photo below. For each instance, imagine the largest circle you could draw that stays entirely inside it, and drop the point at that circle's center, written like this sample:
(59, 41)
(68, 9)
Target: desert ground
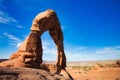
(90, 70)
(94, 70)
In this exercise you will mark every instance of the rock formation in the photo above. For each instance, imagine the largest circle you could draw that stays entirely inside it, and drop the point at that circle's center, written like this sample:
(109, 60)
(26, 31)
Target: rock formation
(12, 73)
(30, 52)
(118, 63)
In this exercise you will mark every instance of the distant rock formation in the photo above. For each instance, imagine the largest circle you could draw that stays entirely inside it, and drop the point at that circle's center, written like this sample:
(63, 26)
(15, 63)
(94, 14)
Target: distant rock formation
(96, 67)
(30, 52)
(118, 62)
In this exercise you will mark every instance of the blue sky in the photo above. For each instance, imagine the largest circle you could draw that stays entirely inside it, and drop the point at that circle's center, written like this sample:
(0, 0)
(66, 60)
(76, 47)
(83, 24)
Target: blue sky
(91, 27)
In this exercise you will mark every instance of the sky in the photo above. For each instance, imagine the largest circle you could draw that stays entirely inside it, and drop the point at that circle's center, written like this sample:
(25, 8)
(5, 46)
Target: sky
(91, 28)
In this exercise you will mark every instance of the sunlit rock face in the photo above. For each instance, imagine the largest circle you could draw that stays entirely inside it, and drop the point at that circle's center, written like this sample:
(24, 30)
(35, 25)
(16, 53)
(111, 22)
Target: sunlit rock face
(29, 53)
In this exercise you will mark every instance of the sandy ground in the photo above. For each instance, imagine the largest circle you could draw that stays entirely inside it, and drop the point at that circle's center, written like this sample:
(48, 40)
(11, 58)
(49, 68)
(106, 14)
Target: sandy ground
(105, 73)
(94, 70)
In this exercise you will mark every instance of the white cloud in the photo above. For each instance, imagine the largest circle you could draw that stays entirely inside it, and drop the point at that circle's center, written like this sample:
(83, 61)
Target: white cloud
(12, 37)
(81, 53)
(5, 17)
(13, 40)
(19, 44)
(49, 50)
(19, 26)
(108, 50)
(90, 53)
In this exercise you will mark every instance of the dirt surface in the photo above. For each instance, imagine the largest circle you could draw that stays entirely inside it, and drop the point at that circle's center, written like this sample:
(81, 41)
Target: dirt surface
(94, 70)
(100, 74)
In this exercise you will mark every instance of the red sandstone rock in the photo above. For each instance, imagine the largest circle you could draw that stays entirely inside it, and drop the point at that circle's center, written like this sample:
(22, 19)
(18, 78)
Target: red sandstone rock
(30, 52)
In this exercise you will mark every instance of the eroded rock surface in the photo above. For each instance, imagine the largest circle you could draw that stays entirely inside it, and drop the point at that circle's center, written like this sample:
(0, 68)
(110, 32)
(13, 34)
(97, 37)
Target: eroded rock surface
(12, 73)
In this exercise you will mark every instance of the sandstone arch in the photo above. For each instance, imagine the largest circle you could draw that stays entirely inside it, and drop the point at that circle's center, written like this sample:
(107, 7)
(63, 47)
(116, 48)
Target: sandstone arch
(30, 52)
(44, 21)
